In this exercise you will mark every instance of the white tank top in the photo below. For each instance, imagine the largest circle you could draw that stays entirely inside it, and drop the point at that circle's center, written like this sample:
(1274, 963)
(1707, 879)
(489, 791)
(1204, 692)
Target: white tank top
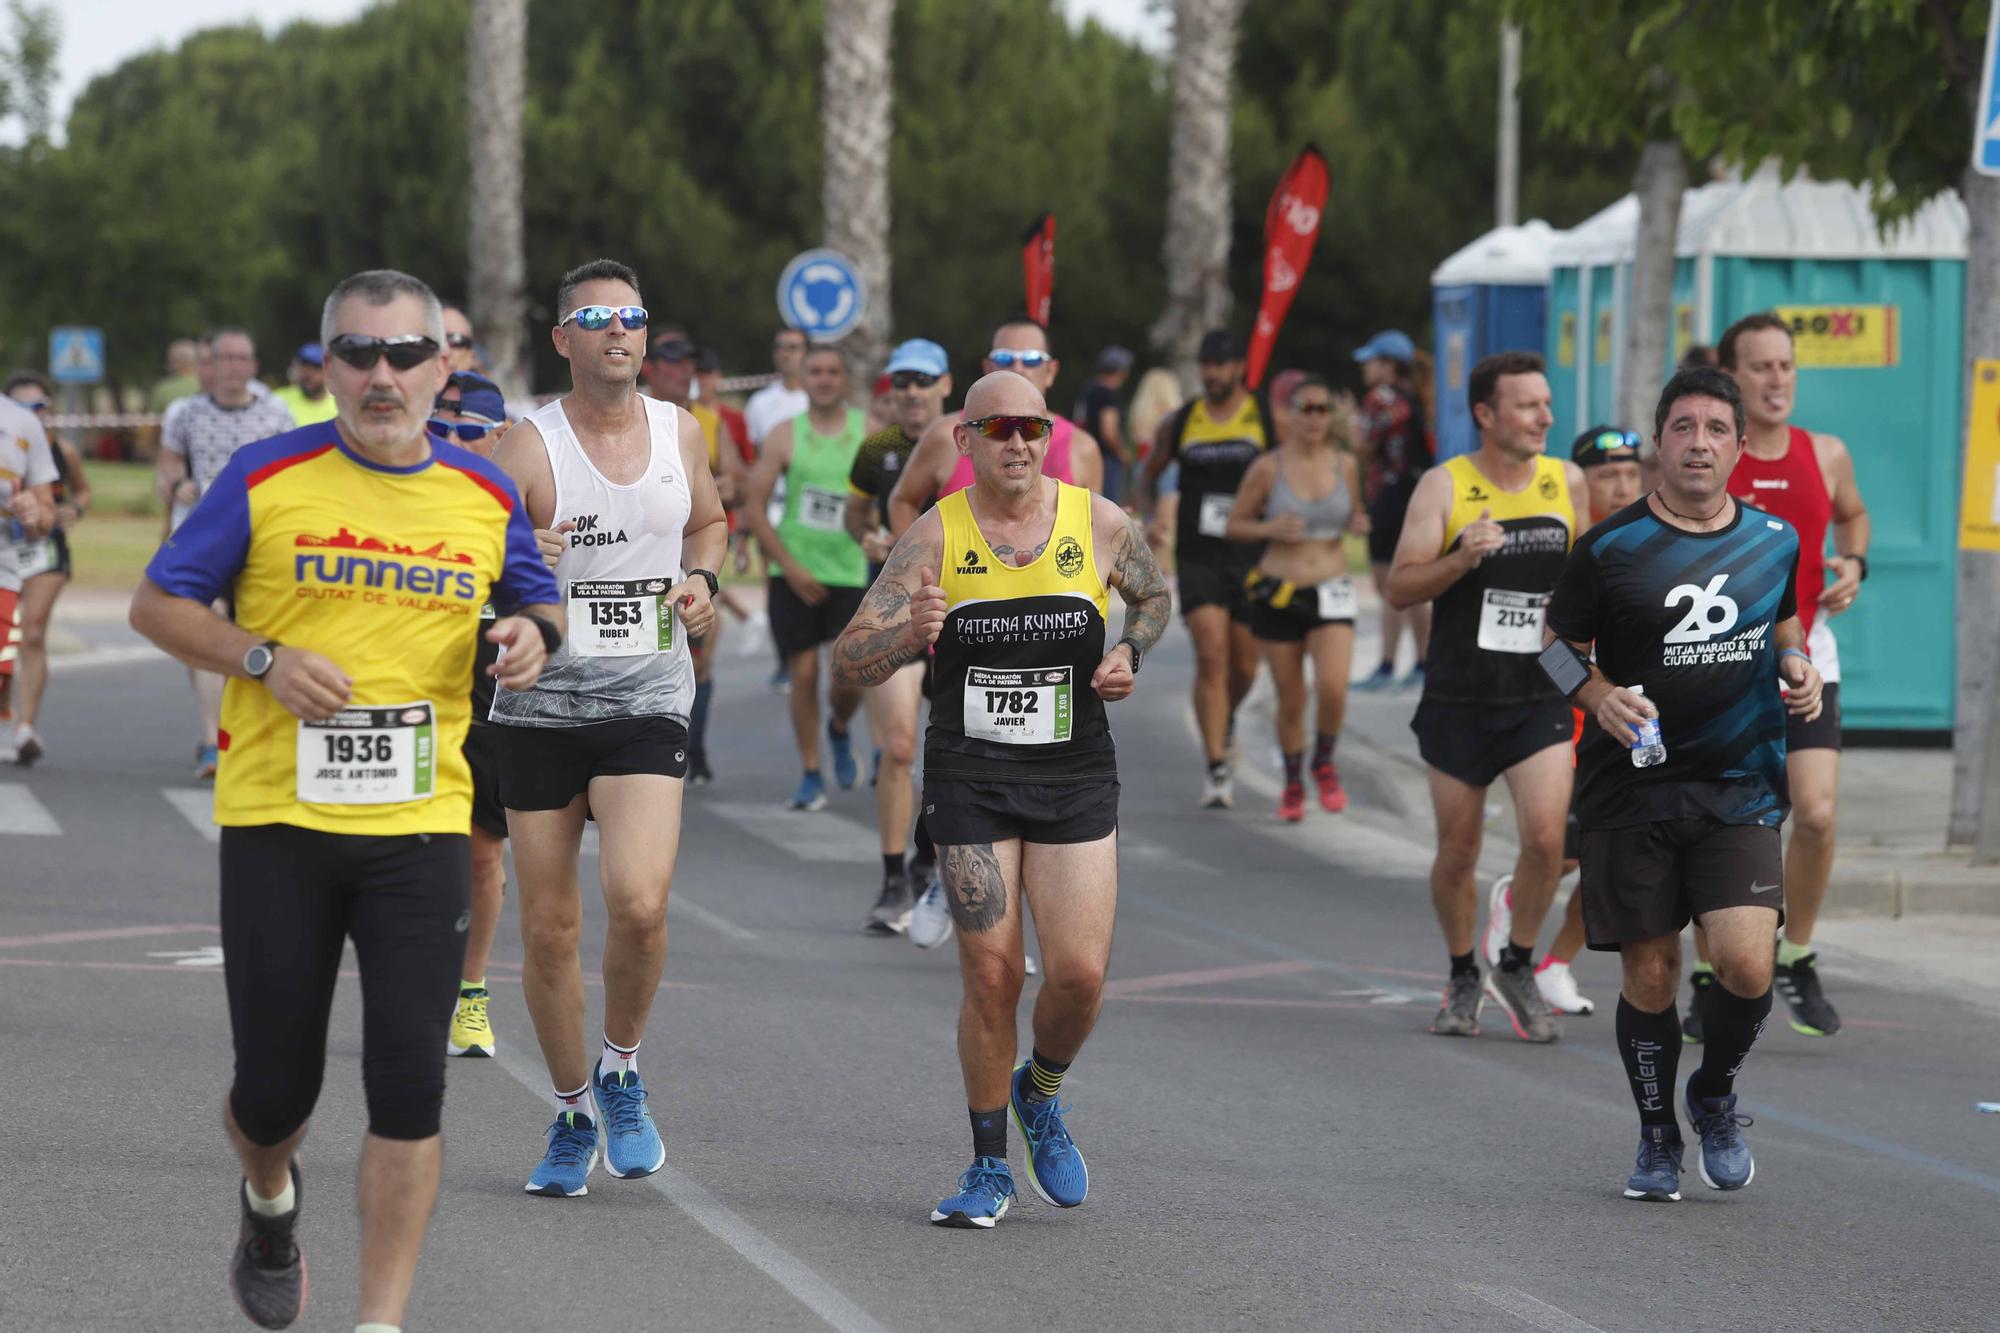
(624, 652)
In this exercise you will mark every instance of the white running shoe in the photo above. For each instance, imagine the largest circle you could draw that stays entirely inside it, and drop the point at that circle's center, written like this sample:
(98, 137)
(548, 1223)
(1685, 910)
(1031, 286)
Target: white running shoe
(1558, 986)
(1499, 920)
(1219, 792)
(930, 920)
(1034, 968)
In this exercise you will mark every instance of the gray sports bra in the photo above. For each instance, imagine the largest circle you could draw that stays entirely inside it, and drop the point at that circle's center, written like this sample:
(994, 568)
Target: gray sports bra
(1325, 517)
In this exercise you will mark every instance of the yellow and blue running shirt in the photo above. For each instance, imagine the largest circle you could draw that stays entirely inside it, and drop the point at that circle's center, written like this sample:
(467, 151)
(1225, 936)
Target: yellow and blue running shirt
(381, 570)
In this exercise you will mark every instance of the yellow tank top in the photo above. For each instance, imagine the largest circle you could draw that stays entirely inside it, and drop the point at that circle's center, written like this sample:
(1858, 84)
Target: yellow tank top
(1547, 494)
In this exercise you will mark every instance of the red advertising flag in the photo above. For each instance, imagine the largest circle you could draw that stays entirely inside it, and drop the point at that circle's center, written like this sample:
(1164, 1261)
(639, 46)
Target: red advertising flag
(1291, 229)
(1038, 266)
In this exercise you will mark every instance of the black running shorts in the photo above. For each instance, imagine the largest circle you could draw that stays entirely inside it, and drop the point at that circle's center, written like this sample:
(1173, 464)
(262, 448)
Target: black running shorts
(1477, 744)
(291, 899)
(966, 814)
(1217, 584)
(545, 768)
(1650, 880)
(482, 752)
(1823, 732)
(1292, 622)
(798, 628)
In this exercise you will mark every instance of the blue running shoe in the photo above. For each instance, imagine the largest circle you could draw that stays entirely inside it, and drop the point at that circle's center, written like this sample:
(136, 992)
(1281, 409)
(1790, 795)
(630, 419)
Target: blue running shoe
(811, 794)
(1656, 1177)
(845, 771)
(1725, 1157)
(1381, 678)
(1055, 1167)
(564, 1171)
(632, 1145)
(984, 1193)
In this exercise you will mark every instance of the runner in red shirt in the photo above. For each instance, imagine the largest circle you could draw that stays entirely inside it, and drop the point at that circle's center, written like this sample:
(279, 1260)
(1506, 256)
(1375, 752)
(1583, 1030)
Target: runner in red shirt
(1807, 479)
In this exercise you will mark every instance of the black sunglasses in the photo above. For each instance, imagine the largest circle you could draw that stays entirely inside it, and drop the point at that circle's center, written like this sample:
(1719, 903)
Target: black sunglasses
(1314, 409)
(904, 379)
(459, 340)
(406, 352)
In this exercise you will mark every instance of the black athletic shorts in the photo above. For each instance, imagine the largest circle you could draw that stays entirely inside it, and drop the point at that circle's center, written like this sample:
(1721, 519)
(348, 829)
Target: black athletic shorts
(1292, 622)
(545, 768)
(1823, 732)
(482, 751)
(291, 899)
(796, 627)
(965, 814)
(1477, 744)
(1649, 880)
(1217, 584)
(1385, 520)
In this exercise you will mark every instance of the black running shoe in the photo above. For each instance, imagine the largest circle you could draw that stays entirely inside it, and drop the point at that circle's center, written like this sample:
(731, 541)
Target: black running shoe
(891, 913)
(267, 1272)
(1812, 1016)
(1691, 1026)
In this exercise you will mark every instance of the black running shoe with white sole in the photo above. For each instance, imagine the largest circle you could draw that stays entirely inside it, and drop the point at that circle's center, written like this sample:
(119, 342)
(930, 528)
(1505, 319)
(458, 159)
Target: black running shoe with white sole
(1798, 982)
(267, 1271)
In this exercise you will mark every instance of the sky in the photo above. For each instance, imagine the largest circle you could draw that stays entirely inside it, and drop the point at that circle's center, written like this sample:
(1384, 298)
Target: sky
(98, 34)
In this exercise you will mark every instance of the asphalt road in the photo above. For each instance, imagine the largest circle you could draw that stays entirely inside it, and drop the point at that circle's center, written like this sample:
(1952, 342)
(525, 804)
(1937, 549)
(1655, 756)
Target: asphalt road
(1274, 1140)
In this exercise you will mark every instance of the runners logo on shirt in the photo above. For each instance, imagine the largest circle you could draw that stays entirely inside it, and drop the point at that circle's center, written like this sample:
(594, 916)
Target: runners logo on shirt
(1709, 612)
(1548, 488)
(337, 566)
(972, 564)
(588, 533)
(1069, 557)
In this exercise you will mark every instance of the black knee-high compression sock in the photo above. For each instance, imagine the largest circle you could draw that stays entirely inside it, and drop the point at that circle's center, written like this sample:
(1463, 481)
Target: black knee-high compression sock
(1730, 1027)
(1650, 1045)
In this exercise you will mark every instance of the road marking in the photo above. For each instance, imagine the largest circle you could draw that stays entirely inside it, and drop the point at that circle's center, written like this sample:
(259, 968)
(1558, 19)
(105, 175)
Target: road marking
(21, 813)
(207, 956)
(102, 657)
(817, 836)
(1529, 1310)
(1206, 977)
(197, 806)
(677, 905)
(715, 1217)
(114, 933)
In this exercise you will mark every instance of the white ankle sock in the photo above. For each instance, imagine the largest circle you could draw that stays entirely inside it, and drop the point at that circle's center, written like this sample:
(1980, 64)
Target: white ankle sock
(578, 1101)
(288, 1199)
(618, 1060)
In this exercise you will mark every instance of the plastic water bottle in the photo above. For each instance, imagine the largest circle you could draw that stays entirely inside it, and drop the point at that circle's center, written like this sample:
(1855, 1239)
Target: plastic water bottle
(1647, 748)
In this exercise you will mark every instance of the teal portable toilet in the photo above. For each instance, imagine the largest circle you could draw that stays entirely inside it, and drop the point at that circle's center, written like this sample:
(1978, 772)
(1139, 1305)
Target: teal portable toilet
(1489, 297)
(1588, 267)
(1878, 323)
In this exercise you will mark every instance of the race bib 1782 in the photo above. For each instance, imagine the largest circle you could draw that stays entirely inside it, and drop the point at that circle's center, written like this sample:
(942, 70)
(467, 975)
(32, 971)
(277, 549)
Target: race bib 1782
(1018, 707)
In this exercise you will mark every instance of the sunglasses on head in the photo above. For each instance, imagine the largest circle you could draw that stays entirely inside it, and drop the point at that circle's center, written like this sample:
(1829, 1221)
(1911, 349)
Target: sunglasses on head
(1615, 439)
(42, 406)
(904, 379)
(595, 318)
(469, 431)
(405, 352)
(459, 340)
(1007, 427)
(1007, 359)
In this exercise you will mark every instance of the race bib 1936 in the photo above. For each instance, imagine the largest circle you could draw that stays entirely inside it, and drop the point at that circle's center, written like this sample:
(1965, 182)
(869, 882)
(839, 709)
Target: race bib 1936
(1511, 622)
(369, 756)
(609, 618)
(1213, 520)
(1018, 707)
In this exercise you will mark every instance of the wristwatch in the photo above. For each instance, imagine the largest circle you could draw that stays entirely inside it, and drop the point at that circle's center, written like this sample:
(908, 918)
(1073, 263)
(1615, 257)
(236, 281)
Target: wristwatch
(259, 660)
(551, 636)
(1862, 561)
(713, 582)
(1133, 648)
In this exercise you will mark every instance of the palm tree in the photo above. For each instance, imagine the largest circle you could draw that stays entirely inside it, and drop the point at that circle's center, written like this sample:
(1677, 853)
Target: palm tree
(1199, 195)
(496, 83)
(855, 107)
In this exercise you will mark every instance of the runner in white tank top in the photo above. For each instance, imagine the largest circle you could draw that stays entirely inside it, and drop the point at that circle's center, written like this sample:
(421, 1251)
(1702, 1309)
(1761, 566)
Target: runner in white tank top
(619, 492)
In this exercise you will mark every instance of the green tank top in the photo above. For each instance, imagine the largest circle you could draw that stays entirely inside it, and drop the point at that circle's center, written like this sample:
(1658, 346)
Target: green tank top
(814, 528)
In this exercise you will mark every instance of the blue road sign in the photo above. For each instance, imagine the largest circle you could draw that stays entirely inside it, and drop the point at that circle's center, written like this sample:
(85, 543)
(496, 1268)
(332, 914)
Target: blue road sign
(1986, 131)
(76, 355)
(821, 295)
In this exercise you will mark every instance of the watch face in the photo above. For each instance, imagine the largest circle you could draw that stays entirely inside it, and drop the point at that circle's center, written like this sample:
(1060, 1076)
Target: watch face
(258, 660)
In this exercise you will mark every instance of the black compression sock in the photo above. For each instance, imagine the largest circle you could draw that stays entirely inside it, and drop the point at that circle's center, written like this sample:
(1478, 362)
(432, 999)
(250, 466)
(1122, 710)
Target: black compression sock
(1323, 749)
(1514, 957)
(892, 864)
(1294, 766)
(989, 1134)
(1730, 1027)
(1463, 965)
(1650, 1045)
(698, 716)
(1045, 1077)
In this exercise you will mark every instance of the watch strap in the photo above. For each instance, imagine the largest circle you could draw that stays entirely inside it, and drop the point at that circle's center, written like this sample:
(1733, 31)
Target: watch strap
(1138, 654)
(714, 584)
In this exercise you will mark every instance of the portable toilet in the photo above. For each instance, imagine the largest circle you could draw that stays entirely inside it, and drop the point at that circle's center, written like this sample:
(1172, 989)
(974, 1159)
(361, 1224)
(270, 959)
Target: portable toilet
(1587, 271)
(1489, 297)
(1878, 326)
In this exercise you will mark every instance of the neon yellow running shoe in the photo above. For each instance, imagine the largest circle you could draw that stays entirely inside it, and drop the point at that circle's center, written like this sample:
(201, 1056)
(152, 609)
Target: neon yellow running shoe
(471, 1033)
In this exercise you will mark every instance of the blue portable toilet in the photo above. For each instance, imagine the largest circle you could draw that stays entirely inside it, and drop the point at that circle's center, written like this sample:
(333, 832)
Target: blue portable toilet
(1488, 297)
(1878, 323)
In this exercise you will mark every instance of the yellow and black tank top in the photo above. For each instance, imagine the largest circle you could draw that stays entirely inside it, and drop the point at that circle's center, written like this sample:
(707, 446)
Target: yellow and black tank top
(1214, 453)
(1011, 696)
(1487, 630)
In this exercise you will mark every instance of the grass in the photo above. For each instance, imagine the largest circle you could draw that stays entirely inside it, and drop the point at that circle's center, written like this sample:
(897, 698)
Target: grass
(111, 547)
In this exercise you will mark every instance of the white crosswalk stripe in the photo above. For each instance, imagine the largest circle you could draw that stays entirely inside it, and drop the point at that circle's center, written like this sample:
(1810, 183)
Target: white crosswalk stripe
(819, 836)
(21, 813)
(197, 806)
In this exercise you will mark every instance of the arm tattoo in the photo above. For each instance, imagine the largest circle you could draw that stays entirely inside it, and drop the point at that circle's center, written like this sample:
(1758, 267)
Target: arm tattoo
(1137, 576)
(977, 890)
(876, 644)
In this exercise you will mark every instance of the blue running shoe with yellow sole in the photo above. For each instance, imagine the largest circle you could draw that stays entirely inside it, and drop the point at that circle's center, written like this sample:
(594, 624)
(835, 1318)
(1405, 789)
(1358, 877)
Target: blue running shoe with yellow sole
(1725, 1157)
(1656, 1176)
(632, 1143)
(1055, 1167)
(564, 1171)
(985, 1191)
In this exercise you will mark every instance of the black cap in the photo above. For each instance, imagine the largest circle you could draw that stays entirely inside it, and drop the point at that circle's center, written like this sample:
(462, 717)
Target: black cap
(672, 349)
(1604, 444)
(1219, 345)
